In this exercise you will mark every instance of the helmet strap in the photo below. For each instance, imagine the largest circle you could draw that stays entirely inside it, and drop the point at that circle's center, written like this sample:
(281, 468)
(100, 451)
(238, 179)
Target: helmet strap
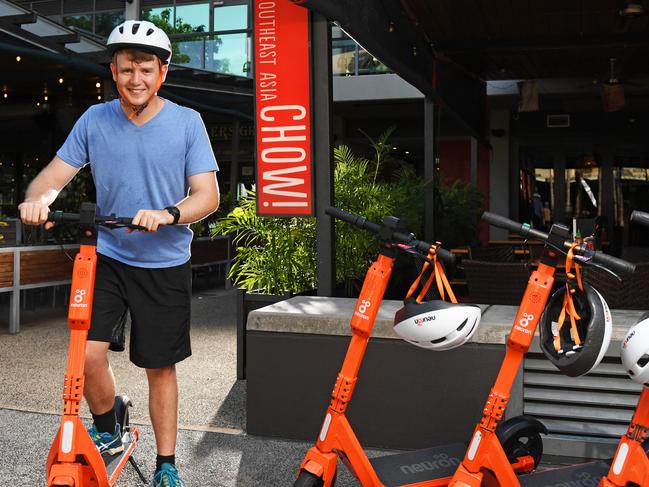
(573, 282)
(443, 286)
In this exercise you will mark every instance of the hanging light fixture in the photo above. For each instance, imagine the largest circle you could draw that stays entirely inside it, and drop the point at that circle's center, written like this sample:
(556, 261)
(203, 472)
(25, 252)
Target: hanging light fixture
(632, 9)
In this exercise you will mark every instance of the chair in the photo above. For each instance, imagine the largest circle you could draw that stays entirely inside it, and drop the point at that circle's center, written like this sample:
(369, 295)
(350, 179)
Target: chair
(500, 253)
(629, 293)
(496, 282)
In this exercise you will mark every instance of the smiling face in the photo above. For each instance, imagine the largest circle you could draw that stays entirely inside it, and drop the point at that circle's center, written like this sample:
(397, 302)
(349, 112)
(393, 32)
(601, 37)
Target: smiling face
(137, 75)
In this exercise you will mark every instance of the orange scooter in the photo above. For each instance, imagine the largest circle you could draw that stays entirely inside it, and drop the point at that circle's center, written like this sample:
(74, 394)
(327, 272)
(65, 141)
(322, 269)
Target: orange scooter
(74, 460)
(630, 466)
(337, 438)
(486, 458)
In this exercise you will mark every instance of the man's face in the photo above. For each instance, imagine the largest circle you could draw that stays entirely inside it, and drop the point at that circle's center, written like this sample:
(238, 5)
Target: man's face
(137, 78)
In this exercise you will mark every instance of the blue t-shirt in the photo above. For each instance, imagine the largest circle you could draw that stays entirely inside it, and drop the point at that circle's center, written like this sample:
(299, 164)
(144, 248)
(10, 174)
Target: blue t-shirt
(141, 168)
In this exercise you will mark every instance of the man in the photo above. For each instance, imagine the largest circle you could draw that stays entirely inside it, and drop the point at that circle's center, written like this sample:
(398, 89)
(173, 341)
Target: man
(150, 159)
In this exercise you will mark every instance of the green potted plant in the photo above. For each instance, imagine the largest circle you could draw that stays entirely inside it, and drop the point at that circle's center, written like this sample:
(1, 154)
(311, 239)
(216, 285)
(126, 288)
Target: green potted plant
(459, 205)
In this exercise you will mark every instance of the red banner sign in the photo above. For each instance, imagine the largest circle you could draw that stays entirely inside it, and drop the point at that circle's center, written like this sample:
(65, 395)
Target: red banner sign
(283, 113)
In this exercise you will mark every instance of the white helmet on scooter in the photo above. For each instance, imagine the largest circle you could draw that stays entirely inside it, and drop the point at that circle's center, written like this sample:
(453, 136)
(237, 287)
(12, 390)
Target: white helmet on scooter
(594, 328)
(142, 35)
(635, 351)
(436, 325)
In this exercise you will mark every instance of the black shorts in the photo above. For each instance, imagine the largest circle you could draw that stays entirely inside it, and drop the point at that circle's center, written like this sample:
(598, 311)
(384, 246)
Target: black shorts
(159, 301)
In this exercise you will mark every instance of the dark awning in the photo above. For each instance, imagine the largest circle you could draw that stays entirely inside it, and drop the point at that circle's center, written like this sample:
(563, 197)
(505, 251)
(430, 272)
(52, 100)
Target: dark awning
(383, 28)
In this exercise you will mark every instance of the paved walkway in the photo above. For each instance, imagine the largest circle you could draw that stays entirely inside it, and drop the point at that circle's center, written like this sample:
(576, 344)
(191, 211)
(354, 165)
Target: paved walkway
(213, 449)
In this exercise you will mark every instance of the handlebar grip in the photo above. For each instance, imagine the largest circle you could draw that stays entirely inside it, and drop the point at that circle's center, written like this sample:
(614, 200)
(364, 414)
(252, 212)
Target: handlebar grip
(446, 255)
(59, 217)
(613, 263)
(503, 222)
(359, 221)
(640, 217)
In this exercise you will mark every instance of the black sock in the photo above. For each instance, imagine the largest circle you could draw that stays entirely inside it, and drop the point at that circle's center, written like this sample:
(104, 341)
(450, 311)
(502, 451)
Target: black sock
(160, 459)
(105, 423)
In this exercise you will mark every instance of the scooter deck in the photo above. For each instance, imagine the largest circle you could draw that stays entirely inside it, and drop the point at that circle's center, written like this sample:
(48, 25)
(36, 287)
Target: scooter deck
(584, 474)
(117, 461)
(411, 467)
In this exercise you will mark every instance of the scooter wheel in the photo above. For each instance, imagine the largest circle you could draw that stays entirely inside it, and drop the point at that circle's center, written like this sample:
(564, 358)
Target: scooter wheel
(524, 443)
(122, 404)
(307, 479)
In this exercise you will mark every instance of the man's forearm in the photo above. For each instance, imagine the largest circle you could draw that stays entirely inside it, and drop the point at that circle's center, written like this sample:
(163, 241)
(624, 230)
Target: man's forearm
(40, 190)
(197, 206)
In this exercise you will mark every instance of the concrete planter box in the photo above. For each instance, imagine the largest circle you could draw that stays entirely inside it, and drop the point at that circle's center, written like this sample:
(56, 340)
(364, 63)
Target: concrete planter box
(247, 302)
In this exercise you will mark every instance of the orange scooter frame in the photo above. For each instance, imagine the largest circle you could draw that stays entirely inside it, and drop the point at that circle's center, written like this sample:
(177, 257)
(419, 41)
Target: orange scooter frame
(74, 460)
(485, 458)
(337, 438)
(630, 465)
(485, 453)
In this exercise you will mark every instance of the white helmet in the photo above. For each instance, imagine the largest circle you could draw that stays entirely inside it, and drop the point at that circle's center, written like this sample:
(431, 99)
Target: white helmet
(635, 351)
(142, 35)
(436, 325)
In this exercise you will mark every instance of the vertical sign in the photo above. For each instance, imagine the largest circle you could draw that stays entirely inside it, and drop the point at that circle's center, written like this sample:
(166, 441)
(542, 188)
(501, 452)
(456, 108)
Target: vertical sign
(282, 106)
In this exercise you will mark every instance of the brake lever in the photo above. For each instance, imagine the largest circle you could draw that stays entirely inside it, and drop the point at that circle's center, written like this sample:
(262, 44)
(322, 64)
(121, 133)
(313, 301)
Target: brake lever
(586, 258)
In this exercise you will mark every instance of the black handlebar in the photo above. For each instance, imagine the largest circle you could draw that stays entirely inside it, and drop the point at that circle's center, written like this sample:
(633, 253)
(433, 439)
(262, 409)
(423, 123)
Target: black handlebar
(640, 217)
(584, 255)
(398, 237)
(106, 221)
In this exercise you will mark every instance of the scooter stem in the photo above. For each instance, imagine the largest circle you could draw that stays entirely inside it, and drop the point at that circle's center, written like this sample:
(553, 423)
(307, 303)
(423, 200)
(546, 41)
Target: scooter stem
(72, 439)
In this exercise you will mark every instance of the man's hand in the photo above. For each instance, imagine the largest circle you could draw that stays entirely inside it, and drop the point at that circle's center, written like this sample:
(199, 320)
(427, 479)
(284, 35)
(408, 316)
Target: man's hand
(152, 219)
(34, 213)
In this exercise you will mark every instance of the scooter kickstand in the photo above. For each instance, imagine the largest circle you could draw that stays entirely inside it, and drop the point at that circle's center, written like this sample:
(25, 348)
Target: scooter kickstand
(131, 460)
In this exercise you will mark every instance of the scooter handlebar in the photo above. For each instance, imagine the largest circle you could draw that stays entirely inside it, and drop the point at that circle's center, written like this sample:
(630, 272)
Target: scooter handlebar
(60, 217)
(522, 229)
(640, 217)
(358, 221)
(613, 263)
(405, 238)
(110, 221)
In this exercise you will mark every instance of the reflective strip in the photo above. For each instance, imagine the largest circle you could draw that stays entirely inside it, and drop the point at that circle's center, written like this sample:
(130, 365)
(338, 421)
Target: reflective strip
(325, 427)
(66, 437)
(475, 443)
(620, 458)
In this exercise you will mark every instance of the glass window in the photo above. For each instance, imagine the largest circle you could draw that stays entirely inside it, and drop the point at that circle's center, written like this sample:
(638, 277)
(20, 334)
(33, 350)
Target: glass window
(192, 18)
(631, 191)
(190, 52)
(82, 23)
(105, 22)
(160, 16)
(583, 192)
(543, 196)
(368, 64)
(229, 53)
(230, 17)
(344, 57)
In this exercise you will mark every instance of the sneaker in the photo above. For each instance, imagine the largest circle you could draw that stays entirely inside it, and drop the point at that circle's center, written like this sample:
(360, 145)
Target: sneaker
(106, 443)
(167, 476)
